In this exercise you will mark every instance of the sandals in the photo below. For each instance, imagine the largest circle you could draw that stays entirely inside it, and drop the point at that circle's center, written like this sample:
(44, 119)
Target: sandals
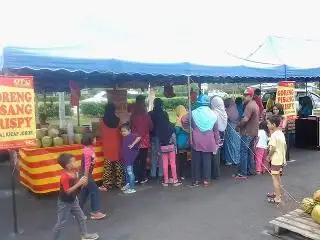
(274, 201)
(239, 176)
(271, 195)
(97, 216)
(103, 189)
(206, 183)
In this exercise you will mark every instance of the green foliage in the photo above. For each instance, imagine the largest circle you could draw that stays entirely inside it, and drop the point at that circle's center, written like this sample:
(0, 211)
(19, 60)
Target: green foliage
(52, 110)
(172, 103)
(92, 109)
(97, 109)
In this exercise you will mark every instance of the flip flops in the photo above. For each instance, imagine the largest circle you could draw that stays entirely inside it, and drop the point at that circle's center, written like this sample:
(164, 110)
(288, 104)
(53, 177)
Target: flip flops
(239, 176)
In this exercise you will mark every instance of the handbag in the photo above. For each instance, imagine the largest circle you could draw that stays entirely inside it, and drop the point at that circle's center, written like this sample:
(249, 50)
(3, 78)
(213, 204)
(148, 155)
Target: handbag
(168, 148)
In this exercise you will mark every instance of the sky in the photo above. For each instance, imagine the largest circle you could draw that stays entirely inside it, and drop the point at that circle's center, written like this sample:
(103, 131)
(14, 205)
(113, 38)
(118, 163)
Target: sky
(198, 31)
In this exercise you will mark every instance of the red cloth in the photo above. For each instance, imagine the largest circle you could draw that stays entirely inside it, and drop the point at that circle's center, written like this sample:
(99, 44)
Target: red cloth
(193, 96)
(67, 181)
(258, 100)
(75, 93)
(142, 125)
(111, 140)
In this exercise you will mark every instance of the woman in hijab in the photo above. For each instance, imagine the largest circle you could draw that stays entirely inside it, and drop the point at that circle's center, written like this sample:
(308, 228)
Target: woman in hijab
(182, 142)
(240, 106)
(231, 137)
(156, 160)
(217, 106)
(164, 131)
(205, 139)
(141, 125)
(110, 136)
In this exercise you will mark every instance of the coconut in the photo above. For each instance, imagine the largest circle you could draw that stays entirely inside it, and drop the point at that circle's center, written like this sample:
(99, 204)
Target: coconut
(44, 131)
(46, 141)
(39, 133)
(57, 141)
(316, 214)
(38, 143)
(79, 130)
(78, 138)
(53, 126)
(307, 205)
(53, 132)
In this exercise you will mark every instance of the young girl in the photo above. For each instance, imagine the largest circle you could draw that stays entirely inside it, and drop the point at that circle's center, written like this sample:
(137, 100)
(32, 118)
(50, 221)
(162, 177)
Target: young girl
(262, 149)
(129, 152)
(90, 188)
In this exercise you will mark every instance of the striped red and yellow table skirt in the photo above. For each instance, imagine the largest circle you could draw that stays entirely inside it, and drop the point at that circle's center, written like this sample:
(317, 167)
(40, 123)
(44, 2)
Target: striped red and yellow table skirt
(40, 172)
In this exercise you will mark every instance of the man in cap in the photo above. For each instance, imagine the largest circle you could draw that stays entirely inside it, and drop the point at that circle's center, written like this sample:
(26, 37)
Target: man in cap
(249, 126)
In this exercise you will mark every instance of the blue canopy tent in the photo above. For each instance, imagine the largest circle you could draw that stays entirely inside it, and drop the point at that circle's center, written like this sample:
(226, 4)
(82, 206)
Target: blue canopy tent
(54, 67)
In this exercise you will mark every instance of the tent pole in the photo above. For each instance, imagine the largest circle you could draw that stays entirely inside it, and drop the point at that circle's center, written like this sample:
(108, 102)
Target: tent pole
(285, 72)
(189, 107)
(78, 114)
(306, 88)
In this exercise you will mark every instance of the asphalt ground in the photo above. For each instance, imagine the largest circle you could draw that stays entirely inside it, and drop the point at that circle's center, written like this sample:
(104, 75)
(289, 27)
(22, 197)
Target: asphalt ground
(227, 209)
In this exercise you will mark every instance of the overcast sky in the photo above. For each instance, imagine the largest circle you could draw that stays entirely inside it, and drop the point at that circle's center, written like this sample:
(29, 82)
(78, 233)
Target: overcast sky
(150, 30)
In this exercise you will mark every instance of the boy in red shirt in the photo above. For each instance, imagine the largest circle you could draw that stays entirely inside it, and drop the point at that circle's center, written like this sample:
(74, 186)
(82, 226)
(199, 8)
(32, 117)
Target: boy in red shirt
(68, 201)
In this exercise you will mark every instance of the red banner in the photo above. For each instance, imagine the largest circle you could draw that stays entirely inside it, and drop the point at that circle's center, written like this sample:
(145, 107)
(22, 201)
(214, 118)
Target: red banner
(17, 112)
(75, 93)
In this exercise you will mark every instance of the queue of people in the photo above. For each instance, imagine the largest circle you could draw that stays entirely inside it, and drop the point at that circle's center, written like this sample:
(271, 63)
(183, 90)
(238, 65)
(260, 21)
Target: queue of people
(233, 131)
(217, 130)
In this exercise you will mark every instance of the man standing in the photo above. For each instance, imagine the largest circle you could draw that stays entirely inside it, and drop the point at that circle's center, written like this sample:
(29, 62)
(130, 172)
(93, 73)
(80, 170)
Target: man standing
(249, 126)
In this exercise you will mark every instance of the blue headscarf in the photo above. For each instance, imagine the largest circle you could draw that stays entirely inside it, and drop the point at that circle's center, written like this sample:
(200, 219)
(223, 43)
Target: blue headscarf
(203, 116)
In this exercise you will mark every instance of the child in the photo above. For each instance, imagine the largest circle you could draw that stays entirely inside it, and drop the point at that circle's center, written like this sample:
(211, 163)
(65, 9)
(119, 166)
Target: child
(277, 156)
(91, 188)
(129, 152)
(68, 201)
(262, 148)
(168, 152)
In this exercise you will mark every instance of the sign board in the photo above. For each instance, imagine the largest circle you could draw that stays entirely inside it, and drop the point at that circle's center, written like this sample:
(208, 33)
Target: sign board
(119, 98)
(287, 97)
(17, 112)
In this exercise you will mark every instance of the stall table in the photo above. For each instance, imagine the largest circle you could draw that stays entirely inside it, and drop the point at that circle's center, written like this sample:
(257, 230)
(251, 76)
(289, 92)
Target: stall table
(40, 172)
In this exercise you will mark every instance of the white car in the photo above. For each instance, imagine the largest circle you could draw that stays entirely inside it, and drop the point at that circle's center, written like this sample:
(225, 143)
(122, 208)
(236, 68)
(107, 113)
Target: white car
(299, 93)
(217, 93)
(100, 97)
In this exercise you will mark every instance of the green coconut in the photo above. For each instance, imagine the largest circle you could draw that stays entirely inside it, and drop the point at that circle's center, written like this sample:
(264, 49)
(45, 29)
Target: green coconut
(79, 130)
(57, 141)
(53, 132)
(39, 133)
(53, 126)
(46, 141)
(78, 138)
(316, 214)
(44, 131)
(38, 143)
(307, 205)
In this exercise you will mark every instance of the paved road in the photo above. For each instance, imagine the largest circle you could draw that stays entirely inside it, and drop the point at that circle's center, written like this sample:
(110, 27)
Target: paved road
(225, 210)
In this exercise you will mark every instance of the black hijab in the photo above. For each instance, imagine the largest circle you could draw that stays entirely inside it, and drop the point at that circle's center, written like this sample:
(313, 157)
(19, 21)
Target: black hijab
(163, 127)
(110, 119)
